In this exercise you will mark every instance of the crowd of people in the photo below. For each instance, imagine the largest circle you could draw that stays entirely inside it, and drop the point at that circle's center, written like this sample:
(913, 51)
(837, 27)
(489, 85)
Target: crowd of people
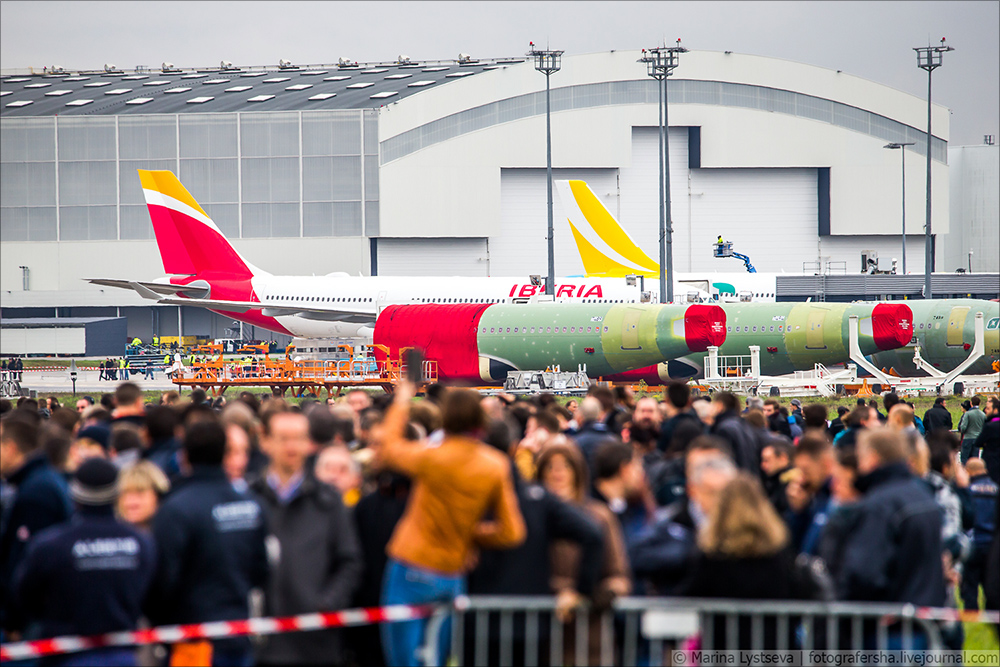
(120, 514)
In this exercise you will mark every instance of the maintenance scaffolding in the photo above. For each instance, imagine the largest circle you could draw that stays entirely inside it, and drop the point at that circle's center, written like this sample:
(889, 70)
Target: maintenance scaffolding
(215, 374)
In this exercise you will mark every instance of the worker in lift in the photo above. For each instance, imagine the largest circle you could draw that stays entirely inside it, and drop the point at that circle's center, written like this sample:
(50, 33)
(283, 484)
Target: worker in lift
(720, 241)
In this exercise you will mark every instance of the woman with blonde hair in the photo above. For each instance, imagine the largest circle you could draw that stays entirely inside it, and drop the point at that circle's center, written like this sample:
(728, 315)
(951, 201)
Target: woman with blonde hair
(746, 553)
(140, 488)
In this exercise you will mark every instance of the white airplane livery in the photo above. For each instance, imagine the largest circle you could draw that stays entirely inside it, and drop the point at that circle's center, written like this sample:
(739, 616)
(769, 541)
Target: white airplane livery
(205, 270)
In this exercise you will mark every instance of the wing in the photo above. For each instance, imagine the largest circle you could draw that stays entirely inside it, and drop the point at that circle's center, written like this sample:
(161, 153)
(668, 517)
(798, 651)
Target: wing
(164, 294)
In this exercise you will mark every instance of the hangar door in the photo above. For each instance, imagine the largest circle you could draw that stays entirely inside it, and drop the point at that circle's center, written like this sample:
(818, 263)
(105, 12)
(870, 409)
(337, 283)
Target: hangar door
(432, 257)
(520, 247)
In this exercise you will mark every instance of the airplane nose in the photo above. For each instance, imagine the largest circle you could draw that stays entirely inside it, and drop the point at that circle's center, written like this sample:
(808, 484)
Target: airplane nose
(704, 326)
(892, 325)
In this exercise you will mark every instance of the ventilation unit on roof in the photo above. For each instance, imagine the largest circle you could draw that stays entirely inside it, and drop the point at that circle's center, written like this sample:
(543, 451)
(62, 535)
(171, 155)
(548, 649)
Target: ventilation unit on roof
(168, 67)
(346, 62)
(109, 68)
(402, 60)
(284, 64)
(466, 58)
(225, 64)
(55, 69)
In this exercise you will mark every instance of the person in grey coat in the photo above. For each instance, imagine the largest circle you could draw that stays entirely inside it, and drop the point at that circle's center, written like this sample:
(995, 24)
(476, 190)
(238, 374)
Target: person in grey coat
(317, 565)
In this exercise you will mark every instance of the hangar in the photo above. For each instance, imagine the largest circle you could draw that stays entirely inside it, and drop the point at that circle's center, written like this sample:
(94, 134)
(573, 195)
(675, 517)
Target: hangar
(403, 168)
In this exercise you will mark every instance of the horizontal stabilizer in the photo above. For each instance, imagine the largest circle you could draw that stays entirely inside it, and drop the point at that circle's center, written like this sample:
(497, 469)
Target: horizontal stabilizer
(159, 288)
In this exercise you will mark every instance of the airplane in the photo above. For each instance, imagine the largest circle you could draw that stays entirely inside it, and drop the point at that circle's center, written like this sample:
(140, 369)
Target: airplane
(479, 344)
(632, 342)
(607, 250)
(207, 271)
(945, 331)
(792, 337)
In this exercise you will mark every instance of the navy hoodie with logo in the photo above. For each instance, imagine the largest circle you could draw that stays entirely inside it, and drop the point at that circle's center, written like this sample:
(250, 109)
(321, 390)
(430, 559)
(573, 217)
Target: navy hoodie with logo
(211, 543)
(86, 577)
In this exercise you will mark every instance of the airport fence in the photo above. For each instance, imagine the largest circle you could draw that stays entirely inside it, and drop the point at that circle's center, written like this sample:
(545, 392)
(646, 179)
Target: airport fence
(507, 630)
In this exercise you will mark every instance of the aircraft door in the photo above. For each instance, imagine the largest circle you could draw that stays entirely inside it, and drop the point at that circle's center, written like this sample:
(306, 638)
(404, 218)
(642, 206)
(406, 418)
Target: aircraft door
(630, 329)
(814, 329)
(956, 326)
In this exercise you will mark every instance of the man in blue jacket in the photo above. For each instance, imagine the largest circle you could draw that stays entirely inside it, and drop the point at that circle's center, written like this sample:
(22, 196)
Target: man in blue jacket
(91, 575)
(984, 500)
(894, 552)
(40, 501)
(211, 541)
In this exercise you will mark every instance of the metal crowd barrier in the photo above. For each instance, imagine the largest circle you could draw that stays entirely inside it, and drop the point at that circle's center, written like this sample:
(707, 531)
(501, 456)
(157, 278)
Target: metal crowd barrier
(513, 630)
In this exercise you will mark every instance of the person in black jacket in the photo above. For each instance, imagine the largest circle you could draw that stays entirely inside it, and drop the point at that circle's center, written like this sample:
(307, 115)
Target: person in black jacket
(837, 424)
(212, 552)
(319, 566)
(525, 570)
(893, 554)
(678, 407)
(89, 576)
(776, 422)
(729, 426)
(938, 417)
(989, 440)
(40, 501)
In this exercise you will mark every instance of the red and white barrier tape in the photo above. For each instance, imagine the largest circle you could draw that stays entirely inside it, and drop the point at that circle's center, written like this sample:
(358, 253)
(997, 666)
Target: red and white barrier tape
(169, 634)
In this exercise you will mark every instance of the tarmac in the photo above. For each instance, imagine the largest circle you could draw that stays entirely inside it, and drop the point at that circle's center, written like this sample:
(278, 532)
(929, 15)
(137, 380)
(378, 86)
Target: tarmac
(87, 382)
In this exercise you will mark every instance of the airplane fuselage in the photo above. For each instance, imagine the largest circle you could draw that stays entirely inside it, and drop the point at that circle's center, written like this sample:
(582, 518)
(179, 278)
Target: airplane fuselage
(371, 294)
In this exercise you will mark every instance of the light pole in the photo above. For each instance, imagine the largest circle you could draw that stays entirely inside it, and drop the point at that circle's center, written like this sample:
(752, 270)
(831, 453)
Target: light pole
(902, 153)
(660, 62)
(548, 63)
(929, 59)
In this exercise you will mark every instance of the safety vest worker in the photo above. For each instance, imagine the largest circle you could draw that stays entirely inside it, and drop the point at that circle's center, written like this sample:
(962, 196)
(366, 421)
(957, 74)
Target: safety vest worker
(137, 341)
(720, 241)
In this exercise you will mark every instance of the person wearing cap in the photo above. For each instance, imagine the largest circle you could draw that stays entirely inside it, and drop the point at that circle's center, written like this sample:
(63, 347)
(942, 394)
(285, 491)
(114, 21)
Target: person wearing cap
(89, 576)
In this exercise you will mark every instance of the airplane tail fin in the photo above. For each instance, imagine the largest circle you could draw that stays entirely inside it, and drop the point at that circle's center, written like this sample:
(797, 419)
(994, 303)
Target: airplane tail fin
(189, 242)
(605, 247)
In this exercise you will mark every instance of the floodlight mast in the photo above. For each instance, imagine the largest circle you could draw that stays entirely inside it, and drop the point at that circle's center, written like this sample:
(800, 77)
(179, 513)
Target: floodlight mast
(902, 145)
(660, 63)
(548, 63)
(929, 59)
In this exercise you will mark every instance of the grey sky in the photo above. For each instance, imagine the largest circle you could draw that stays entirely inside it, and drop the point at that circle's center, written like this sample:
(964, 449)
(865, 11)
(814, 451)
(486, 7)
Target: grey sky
(867, 39)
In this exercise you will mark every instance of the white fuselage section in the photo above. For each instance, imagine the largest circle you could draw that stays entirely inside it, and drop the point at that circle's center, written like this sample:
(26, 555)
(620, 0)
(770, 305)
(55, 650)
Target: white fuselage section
(371, 294)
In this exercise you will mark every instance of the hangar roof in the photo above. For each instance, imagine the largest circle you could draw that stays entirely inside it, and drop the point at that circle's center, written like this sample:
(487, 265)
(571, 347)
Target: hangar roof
(146, 91)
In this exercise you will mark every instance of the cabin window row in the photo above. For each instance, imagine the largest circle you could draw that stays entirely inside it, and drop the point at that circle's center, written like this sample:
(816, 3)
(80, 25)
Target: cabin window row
(524, 330)
(747, 329)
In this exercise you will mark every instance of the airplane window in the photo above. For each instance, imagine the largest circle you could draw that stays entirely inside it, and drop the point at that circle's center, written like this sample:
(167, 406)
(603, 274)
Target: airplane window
(605, 330)
(532, 329)
(729, 329)
(548, 329)
(564, 329)
(772, 328)
(484, 329)
(508, 329)
(588, 329)
(492, 330)
(755, 329)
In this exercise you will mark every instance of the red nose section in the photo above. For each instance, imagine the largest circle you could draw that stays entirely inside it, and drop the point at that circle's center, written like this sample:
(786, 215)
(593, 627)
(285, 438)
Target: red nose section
(704, 326)
(445, 334)
(892, 325)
